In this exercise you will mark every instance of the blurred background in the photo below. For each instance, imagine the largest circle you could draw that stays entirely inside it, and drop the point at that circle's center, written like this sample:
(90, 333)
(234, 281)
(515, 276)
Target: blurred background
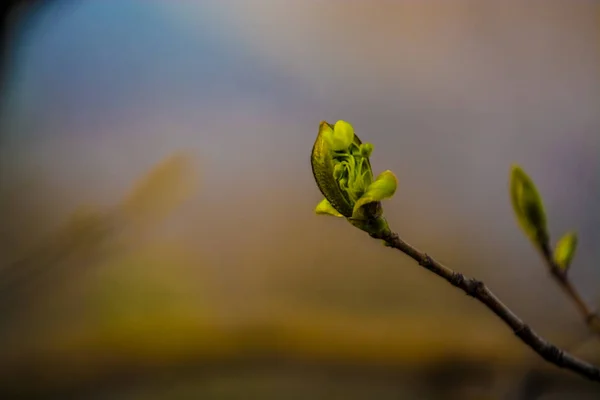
(158, 239)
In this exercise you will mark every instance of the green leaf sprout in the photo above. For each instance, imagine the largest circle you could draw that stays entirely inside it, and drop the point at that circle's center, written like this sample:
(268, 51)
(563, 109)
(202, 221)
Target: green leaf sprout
(565, 250)
(528, 207)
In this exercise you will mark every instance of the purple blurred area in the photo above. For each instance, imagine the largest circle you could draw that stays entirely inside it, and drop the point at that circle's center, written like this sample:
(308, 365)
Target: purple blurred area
(158, 238)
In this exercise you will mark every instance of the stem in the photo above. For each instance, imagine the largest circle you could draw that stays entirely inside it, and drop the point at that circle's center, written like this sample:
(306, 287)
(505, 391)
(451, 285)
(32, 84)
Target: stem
(561, 277)
(479, 291)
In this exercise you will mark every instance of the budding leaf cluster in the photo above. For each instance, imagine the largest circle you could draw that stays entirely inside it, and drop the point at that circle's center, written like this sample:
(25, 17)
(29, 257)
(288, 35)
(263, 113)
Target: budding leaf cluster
(342, 170)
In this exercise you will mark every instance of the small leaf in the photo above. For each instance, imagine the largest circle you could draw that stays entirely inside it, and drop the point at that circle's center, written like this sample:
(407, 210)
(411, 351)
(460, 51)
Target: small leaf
(528, 207)
(565, 250)
(325, 208)
(382, 188)
(339, 136)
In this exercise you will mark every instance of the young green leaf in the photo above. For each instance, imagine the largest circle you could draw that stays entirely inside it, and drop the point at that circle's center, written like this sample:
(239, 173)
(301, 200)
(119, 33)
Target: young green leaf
(368, 212)
(528, 206)
(565, 250)
(325, 208)
(382, 188)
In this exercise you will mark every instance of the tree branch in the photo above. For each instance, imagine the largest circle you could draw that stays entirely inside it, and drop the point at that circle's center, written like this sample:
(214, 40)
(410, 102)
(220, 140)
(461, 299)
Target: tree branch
(478, 290)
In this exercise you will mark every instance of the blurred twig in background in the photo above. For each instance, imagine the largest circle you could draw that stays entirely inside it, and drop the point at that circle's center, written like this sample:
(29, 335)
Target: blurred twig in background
(156, 194)
(165, 187)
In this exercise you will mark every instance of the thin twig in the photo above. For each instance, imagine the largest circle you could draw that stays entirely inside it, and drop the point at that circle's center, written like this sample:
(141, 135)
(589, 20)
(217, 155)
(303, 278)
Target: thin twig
(561, 277)
(531, 378)
(478, 290)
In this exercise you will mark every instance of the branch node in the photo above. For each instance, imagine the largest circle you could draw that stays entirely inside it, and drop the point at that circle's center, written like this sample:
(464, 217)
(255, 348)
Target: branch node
(425, 260)
(523, 331)
(472, 287)
(555, 355)
(457, 279)
(559, 274)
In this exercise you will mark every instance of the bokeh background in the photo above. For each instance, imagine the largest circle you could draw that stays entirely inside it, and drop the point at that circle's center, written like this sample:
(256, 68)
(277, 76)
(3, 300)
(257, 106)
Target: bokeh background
(158, 239)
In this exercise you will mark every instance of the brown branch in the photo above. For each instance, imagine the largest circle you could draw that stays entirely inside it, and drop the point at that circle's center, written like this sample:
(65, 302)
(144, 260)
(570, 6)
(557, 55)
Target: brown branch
(562, 279)
(478, 290)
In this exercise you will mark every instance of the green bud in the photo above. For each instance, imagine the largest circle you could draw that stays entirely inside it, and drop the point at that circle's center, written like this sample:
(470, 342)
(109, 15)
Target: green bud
(343, 135)
(366, 149)
(342, 171)
(565, 250)
(339, 137)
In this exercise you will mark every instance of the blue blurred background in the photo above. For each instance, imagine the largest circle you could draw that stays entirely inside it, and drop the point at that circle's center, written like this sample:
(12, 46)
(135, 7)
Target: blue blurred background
(157, 198)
